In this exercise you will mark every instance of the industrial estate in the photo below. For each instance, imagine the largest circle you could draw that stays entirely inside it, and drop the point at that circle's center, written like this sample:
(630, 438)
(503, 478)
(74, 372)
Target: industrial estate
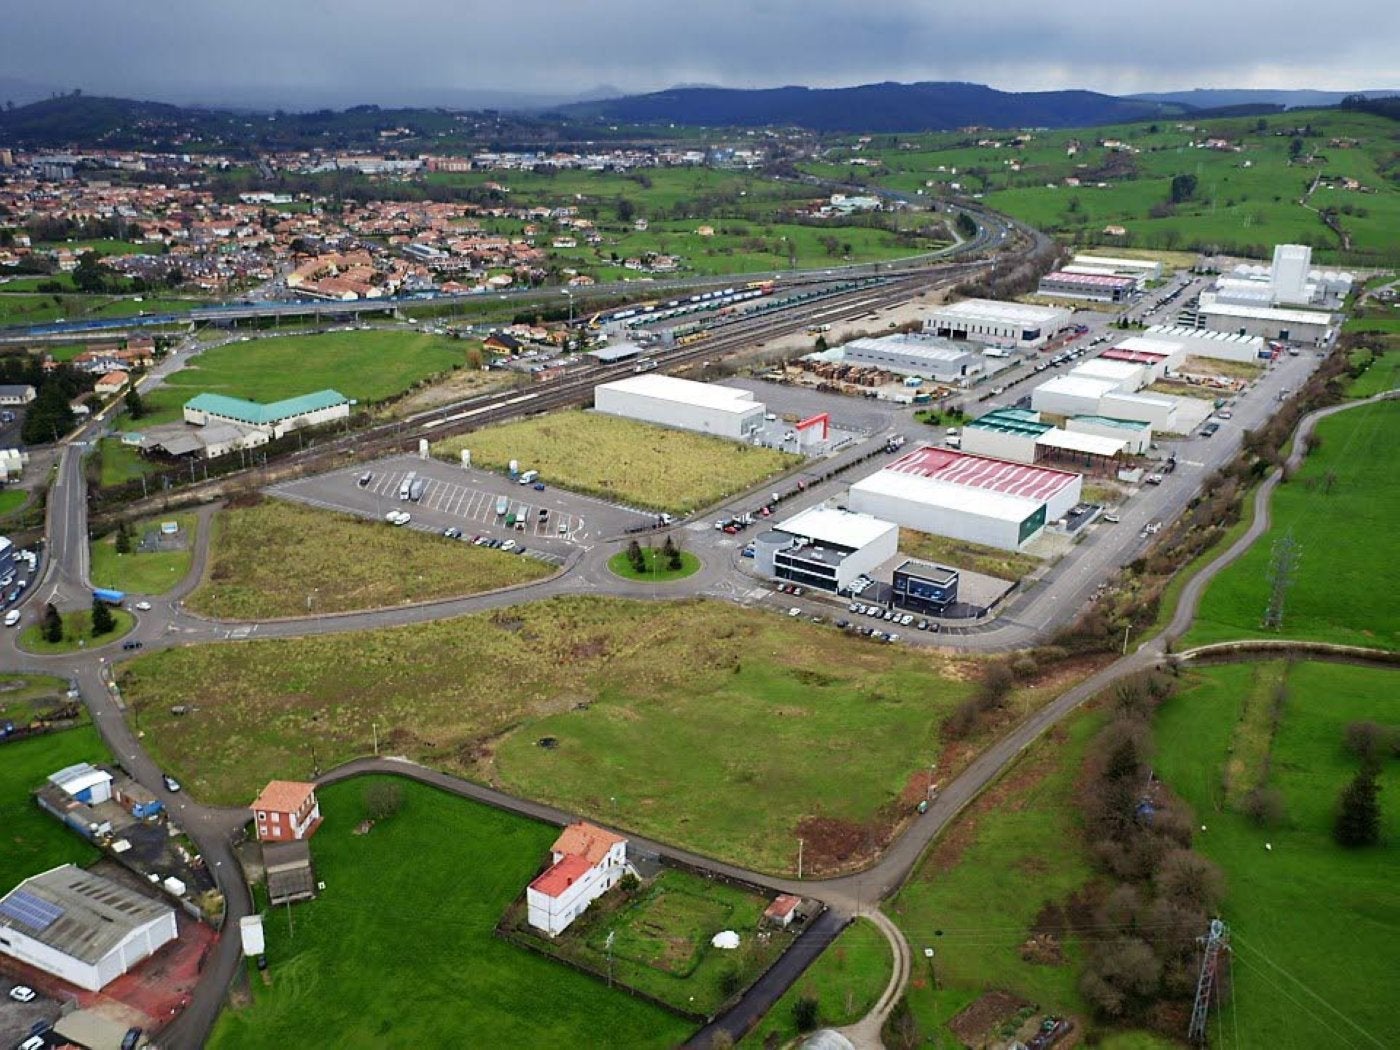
(703, 589)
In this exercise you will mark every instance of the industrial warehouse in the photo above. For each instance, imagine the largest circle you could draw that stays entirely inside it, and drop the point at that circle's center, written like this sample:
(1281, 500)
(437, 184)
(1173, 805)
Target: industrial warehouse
(1013, 326)
(1018, 434)
(975, 498)
(703, 407)
(81, 927)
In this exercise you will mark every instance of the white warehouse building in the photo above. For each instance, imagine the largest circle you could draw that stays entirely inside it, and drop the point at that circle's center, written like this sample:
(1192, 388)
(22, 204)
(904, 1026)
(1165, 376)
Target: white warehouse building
(826, 548)
(974, 498)
(82, 928)
(1202, 342)
(703, 407)
(1016, 326)
(1296, 326)
(920, 355)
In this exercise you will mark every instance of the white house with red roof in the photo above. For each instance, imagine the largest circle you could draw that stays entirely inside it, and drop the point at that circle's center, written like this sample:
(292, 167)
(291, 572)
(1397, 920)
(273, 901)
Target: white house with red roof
(286, 810)
(587, 862)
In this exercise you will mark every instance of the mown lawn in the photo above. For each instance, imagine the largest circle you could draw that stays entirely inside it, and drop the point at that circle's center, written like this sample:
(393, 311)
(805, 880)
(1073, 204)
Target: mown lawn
(845, 980)
(77, 631)
(367, 366)
(399, 950)
(658, 566)
(1313, 926)
(285, 559)
(144, 572)
(1340, 509)
(622, 460)
(970, 557)
(11, 500)
(31, 841)
(669, 719)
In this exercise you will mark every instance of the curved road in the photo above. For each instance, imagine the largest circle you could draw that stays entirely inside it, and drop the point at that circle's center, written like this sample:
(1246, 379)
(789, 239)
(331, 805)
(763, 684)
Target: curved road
(64, 579)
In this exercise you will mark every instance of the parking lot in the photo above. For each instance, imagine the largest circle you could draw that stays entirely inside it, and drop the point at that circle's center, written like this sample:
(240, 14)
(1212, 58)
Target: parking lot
(18, 1019)
(548, 519)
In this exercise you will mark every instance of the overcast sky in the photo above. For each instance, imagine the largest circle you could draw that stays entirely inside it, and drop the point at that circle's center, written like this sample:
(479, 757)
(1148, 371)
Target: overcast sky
(315, 52)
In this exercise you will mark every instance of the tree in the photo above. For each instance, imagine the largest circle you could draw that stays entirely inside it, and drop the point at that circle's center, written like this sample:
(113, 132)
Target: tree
(383, 798)
(102, 621)
(1283, 570)
(636, 557)
(49, 416)
(806, 1013)
(89, 275)
(1358, 820)
(626, 210)
(1121, 976)
(1183, 188)
(672, 554)
(1295, 148)
(122, 542)
(52, 625)
(135, 408)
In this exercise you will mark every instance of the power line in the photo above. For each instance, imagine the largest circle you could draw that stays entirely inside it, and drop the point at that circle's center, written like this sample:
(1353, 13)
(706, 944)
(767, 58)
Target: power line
(1306, 988)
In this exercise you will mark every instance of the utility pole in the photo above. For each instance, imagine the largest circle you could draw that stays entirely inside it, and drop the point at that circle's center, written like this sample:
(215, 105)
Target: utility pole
(1126, 628)
(799, 858)
(609, 943)
(374, 728)
(1216, 940)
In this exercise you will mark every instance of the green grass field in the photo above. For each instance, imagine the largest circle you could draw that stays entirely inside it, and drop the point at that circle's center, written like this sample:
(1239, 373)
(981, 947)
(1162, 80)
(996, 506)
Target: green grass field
(655, 710)
(971, 557)
(144, 572)
(658, 568)
(399, 949)
(29, 697)
(77, 632)
(623, 460)
(118, 463)
(367, 366)
(31, 841)
(284, 559)
(660, 939)
(845, 980)
(11, 500)
(1313, 926)
(1245, 201)
(1346, 579)
(976, 895)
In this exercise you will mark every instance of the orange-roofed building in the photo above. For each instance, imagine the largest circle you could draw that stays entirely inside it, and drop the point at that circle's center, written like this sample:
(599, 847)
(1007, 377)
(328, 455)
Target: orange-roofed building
(286, 811)
(587, 861)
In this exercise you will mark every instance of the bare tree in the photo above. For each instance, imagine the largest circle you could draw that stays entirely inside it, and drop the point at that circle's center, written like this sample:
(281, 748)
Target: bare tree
(1283, 571)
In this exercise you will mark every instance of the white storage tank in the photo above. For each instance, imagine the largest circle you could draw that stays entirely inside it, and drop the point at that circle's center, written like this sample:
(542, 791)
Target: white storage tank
(765, 549)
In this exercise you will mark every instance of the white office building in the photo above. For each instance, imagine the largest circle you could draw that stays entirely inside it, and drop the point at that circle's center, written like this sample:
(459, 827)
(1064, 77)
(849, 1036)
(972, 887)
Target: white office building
(703, 407)
(826, 548)
(82, 928)
(1013, 326)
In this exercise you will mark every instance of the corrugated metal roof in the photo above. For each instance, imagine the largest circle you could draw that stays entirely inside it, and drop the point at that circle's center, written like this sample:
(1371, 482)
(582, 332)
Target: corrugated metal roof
(262, 415)
(96, 913)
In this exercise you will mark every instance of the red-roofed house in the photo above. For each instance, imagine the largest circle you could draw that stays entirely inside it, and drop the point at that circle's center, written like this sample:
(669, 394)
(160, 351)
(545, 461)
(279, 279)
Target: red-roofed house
(111, 383)
(587, 862)
(286, 810)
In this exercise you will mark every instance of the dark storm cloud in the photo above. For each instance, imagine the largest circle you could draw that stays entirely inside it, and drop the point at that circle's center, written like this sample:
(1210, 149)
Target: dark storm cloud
(416, 51)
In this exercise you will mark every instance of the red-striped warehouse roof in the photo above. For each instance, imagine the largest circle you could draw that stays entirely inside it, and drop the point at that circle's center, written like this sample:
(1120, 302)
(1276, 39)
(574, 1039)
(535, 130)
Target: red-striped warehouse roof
(1137, 357)
(983, 472)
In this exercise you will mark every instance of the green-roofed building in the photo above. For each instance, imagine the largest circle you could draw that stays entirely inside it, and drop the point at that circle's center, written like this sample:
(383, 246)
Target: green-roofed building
(1135, 432)
(274, 419)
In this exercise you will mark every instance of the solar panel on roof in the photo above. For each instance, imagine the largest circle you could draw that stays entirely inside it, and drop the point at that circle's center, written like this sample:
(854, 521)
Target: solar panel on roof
(35, 912)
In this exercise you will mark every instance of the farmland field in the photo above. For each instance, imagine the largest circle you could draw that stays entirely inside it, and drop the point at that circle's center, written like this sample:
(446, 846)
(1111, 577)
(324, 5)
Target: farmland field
(1312, 925)
(1339, 509)
(366, 366)
(31, 841)
(662, 701)
(145, 572)
(283, 559)
(421, 962)
(621, 459)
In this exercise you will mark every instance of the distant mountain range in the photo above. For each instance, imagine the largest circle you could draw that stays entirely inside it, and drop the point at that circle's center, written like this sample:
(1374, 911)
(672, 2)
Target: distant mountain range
(83, 120)
(1216, 98)
(873, 107)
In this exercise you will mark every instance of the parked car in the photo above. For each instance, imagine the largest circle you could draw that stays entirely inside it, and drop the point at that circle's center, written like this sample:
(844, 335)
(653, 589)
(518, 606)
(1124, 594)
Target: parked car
(12, 618)
(131, 645)
(171, 784)
(1111, 519)
(365, 479)
(22, 993)
(794, 612)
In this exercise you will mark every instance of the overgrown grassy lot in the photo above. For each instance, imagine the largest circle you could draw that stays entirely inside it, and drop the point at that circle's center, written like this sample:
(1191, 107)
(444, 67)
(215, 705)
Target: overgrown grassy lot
(284, 559)
(1313, 925)
(31, 841)
(622, 460)
(399, 949)
(25, 698)
(665, 718)
(77, 631)
(11, 500)
(845, 980)
(144, 572)
(368, 366)
(970, 557)
(1340, 510)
